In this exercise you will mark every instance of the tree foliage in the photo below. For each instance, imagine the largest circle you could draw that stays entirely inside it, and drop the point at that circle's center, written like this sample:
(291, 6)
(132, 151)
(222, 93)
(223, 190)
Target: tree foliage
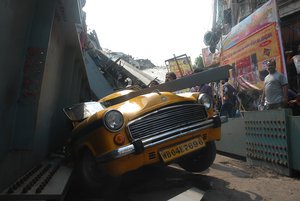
(199, 62)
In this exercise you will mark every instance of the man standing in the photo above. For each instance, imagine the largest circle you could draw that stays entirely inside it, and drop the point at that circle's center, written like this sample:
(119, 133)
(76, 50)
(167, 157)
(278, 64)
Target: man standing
(275, 93)
(229, 100)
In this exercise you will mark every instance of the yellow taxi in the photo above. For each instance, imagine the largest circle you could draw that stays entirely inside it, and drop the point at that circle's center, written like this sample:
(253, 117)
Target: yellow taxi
(154, 128)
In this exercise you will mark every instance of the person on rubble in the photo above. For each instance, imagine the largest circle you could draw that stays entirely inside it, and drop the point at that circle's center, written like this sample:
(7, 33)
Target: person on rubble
(170, 76)
(128, 82)
(275, 92)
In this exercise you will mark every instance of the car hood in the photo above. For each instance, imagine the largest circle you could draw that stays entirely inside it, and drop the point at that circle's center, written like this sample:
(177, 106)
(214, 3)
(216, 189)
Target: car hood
(146, 103)
(140, 105)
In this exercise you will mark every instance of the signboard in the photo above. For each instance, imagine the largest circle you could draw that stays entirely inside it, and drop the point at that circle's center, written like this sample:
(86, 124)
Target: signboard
(251, 44)
(180, 65)
(210, 59)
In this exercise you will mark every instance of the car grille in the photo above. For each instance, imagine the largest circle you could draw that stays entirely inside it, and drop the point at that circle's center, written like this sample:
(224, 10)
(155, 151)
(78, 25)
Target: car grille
(166, 119)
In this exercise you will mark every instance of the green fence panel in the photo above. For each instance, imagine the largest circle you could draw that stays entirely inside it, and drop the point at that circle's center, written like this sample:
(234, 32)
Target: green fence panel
(267, 138)
(294, 142)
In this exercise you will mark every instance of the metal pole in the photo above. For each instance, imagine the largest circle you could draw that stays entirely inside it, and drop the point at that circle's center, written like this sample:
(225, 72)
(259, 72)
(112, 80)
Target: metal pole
(214, 14)
(189, 62)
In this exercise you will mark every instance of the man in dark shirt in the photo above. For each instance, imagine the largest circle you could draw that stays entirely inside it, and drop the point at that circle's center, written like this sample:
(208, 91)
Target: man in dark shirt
(203, 88)
(228, 107)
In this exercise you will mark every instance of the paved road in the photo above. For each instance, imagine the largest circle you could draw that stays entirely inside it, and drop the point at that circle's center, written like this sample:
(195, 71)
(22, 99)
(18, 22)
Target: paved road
(153, 183)
(227, 179)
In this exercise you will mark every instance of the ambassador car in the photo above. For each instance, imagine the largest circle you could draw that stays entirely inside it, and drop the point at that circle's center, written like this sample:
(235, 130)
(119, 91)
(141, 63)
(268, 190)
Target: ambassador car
(110, 139)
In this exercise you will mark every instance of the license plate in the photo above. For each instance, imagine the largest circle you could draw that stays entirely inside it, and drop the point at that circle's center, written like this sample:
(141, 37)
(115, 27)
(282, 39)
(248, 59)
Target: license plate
(181, 149)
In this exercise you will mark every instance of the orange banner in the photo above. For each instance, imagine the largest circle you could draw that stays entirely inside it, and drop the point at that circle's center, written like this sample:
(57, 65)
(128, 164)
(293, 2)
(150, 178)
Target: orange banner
(249, 57)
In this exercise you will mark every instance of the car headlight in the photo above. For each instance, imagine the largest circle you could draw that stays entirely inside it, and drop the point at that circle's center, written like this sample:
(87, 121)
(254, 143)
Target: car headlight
(113, 120)
(205, 100)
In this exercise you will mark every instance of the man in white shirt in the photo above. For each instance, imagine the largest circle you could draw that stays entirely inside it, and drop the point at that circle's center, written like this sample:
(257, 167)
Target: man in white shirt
(275, 93)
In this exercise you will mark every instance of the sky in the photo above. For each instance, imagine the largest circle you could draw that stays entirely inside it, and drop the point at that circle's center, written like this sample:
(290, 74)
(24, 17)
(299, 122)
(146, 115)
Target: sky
(151, 29)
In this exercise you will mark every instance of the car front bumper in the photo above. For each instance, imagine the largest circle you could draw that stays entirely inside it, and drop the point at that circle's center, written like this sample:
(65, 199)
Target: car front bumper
(139, 145)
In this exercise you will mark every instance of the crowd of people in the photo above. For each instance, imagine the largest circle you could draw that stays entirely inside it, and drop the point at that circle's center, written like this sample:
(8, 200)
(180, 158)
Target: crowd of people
(275, 94)
(278, 91)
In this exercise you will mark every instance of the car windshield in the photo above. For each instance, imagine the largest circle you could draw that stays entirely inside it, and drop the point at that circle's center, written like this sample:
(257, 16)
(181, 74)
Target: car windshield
(82, 111)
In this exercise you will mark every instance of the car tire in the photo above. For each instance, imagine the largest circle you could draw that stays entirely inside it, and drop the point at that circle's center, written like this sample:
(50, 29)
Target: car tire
(91, 177)
(200, 160)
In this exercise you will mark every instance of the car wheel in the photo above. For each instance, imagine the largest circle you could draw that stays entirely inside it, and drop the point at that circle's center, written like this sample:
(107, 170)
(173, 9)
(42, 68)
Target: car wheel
(91, 176)
(199, 160)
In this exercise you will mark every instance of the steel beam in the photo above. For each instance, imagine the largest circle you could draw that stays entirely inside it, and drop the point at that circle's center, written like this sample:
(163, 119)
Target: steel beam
(207, 76)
